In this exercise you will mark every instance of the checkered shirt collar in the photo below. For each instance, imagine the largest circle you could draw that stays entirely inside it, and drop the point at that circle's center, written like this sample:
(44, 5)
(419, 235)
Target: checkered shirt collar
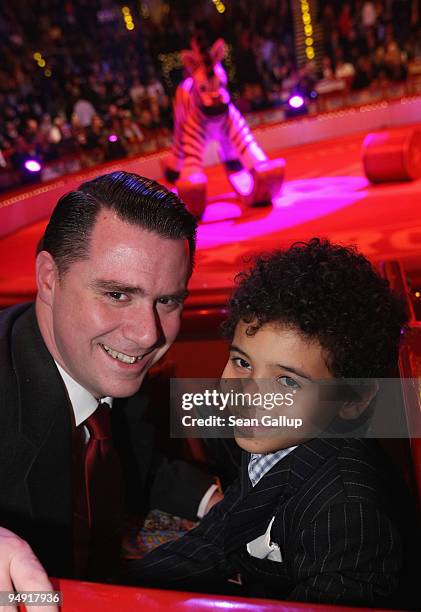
(260, 464)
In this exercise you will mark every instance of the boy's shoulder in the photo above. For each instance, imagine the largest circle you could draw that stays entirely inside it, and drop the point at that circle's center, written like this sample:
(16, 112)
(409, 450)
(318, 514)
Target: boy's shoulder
(325, 472)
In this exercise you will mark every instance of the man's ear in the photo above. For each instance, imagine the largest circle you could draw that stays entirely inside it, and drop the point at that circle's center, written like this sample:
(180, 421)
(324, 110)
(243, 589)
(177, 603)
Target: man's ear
(362, 397)
(46, 276)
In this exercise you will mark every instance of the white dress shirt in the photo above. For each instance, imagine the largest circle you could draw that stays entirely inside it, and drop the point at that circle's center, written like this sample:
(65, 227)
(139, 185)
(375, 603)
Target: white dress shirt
(84, 405)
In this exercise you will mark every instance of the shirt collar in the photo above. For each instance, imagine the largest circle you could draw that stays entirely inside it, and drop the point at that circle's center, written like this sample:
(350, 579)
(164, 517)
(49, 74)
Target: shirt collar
(260, 464)
(276, 456)
(83, 403)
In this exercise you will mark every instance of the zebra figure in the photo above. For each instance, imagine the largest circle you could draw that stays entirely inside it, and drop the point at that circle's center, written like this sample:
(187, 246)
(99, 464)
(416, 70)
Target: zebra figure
(203, 111)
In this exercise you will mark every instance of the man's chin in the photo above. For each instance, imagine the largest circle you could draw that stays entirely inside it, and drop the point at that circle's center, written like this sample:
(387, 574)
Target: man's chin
(120, 389)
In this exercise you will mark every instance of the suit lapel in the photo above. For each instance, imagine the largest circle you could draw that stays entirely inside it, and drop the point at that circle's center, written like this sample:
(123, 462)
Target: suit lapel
(307, 476)
(257, 505)
(45, 430)
(133, 439)
(309, 456)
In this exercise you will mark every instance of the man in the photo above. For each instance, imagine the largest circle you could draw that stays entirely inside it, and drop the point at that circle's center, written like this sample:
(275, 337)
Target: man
(111, 273)
(317, 516)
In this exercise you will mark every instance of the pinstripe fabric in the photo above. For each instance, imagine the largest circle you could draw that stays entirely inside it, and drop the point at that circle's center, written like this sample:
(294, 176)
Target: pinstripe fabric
(337, 525)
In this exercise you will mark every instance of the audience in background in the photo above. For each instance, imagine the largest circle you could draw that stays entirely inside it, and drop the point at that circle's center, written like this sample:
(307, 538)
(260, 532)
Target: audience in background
(75, 81)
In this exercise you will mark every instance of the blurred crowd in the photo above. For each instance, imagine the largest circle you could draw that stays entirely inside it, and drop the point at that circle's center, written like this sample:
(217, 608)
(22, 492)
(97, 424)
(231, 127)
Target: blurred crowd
(369, 42)
(76, 79)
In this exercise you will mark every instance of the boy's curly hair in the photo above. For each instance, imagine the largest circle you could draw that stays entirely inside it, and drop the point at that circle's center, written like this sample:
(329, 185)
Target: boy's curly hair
(329, 293)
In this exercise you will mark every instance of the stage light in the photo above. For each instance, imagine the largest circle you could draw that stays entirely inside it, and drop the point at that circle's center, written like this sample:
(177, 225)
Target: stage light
(308, 29)
(220, 6)
(296, 101)
(32, 165)
(37, 56)
(47, 72)
(417, 294)
(112, 138)
(42, 63)
(128, 19)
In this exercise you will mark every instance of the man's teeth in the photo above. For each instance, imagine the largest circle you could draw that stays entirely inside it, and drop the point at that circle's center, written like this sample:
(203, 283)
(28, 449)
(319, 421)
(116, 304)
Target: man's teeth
(121, 356)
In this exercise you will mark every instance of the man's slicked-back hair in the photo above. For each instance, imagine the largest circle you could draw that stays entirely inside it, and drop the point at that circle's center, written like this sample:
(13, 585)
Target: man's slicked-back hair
(133, 198)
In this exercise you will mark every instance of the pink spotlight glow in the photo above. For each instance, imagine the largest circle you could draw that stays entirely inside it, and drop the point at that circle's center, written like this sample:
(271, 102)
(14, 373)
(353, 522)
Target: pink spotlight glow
(302, 201)
(113, 138)
(32, 165)
(296, 101)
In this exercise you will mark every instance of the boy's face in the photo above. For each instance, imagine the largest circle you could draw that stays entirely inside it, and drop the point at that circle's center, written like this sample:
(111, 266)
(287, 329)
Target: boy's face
(277, 359)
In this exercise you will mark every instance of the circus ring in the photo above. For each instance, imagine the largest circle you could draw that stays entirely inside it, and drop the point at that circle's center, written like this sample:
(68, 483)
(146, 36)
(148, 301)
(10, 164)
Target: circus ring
(326, 194)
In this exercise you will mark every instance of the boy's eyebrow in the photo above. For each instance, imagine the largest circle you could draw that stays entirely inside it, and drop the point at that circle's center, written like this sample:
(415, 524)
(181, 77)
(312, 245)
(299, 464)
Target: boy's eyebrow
(234, 347)
(294, 371)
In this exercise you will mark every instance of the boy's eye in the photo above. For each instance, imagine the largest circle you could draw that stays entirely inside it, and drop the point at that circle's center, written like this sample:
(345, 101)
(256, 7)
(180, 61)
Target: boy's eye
(289, 382)
(241, 363)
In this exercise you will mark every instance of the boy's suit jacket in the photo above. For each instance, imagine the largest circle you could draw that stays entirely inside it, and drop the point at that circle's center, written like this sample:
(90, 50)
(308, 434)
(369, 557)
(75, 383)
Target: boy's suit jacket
(338, 527)
(36, 453)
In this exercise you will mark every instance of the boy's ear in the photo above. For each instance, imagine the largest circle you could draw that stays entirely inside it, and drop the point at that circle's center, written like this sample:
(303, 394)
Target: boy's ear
(46, 276)
(363, 396)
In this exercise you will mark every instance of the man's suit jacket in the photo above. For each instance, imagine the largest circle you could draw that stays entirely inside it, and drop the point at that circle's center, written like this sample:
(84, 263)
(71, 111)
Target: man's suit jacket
(339, 526)
(36, 452)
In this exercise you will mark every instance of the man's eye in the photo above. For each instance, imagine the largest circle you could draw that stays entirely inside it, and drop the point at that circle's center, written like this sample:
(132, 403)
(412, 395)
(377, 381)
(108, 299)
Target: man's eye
(239, 362)
(117, 296)
(289, 382)
(170, 301)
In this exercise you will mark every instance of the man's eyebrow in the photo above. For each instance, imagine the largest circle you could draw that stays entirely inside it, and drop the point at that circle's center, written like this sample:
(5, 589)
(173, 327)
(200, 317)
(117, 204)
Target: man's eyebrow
(118, 287)
(112, 285)
(180, 295)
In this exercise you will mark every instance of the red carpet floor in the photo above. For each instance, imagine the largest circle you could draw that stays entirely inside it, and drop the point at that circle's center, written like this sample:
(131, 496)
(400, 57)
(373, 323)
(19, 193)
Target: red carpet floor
(325, 194)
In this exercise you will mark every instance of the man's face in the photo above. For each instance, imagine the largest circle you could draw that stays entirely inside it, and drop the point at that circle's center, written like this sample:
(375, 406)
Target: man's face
(279, 360)
(112, 316)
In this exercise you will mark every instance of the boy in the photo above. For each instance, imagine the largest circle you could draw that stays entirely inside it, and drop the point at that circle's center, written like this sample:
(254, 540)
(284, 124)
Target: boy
(311, 518)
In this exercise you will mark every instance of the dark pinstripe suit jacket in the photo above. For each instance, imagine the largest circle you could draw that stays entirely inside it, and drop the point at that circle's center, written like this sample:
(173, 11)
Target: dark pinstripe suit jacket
(337, 524)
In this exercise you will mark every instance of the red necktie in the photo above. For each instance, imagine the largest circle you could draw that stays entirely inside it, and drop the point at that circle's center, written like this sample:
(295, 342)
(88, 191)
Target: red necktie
(104, 494)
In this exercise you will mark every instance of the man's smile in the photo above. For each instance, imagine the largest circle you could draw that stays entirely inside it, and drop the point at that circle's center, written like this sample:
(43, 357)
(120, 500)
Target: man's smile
(130, 359)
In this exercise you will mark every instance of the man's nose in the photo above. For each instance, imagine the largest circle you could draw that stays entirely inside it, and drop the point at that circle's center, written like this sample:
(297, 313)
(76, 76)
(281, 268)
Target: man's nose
(143, 327)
